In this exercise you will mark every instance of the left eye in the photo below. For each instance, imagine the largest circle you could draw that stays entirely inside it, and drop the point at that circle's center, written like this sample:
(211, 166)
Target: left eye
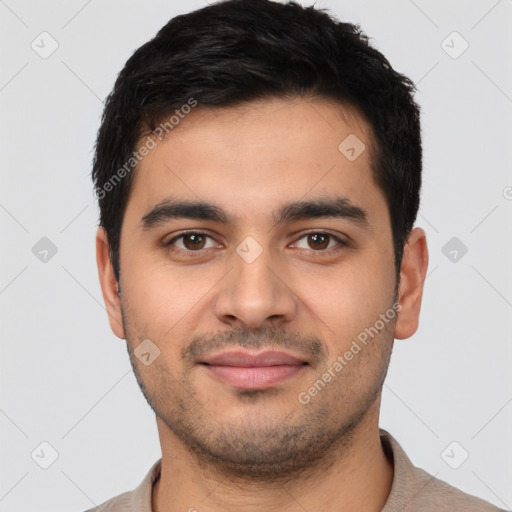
(321, 241)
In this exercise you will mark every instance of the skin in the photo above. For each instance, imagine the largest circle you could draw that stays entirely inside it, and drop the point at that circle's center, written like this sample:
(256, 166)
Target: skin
(224, 448)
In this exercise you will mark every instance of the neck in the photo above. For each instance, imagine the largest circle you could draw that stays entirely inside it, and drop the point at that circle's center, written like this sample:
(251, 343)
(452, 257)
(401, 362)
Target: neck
(357, 478)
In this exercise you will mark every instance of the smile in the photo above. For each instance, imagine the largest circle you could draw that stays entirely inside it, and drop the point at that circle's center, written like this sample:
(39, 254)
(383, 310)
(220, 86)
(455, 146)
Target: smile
(244, 370)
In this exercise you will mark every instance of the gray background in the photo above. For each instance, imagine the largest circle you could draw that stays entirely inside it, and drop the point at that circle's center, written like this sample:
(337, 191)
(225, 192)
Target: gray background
(66, 379)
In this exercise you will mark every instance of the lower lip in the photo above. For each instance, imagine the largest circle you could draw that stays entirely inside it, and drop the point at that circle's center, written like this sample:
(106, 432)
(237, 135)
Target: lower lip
(257, 377)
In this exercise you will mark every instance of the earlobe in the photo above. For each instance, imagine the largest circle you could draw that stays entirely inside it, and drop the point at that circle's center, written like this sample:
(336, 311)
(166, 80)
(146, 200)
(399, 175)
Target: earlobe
(108, 283)
(412, 276)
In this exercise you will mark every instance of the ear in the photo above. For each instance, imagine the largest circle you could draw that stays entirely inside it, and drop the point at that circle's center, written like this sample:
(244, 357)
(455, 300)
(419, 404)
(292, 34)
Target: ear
(109, 283)
(412, 276)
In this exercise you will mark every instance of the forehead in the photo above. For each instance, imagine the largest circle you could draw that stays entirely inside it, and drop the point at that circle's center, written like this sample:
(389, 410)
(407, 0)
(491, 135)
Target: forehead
(259, 155)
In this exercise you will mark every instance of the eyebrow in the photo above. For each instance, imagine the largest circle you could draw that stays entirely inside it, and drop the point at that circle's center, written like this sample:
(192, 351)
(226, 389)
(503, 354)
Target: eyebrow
(337, 207)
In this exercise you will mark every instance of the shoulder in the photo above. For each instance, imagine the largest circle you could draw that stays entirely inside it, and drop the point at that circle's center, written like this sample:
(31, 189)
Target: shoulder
(435, 494)
(138, 500)
(415, 490)
(121, 503)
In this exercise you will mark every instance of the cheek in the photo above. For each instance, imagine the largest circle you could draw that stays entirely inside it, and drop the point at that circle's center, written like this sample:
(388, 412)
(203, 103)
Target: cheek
(160, 289)
(349, 299)
(164, 303)
(339, 300)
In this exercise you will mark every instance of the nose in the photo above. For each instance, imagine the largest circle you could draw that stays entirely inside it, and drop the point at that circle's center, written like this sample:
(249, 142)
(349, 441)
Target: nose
(255, 294)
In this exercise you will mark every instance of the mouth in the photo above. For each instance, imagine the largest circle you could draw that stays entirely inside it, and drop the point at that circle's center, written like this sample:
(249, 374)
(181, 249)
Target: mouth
(246, 370)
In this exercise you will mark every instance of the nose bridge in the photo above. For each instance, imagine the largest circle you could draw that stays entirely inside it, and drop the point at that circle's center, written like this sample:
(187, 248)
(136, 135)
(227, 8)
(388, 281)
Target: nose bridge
(253, 292)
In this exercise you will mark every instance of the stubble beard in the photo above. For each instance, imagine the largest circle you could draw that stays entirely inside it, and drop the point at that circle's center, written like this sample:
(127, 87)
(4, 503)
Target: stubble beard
(259, 449)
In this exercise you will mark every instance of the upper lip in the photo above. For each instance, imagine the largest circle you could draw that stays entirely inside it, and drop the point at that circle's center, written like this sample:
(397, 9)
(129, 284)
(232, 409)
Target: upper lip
(247, 359)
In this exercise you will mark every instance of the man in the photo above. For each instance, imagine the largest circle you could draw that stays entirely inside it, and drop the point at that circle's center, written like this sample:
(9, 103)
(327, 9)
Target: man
(258, 170)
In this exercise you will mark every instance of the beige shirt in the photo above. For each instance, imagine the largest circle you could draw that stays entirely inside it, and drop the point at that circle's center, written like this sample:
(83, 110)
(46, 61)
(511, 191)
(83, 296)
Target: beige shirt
(413, 489)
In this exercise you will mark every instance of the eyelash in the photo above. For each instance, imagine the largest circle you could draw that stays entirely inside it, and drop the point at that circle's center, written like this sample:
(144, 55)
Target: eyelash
(341, 243)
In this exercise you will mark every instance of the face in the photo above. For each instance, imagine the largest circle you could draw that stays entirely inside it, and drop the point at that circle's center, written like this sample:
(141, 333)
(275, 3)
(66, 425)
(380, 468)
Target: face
(253, 299)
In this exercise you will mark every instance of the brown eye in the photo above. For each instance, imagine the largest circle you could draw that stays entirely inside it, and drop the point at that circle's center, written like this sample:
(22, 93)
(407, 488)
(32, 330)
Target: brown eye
(193, 241)
(190, 242)
(321, 242)
(318, 240)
